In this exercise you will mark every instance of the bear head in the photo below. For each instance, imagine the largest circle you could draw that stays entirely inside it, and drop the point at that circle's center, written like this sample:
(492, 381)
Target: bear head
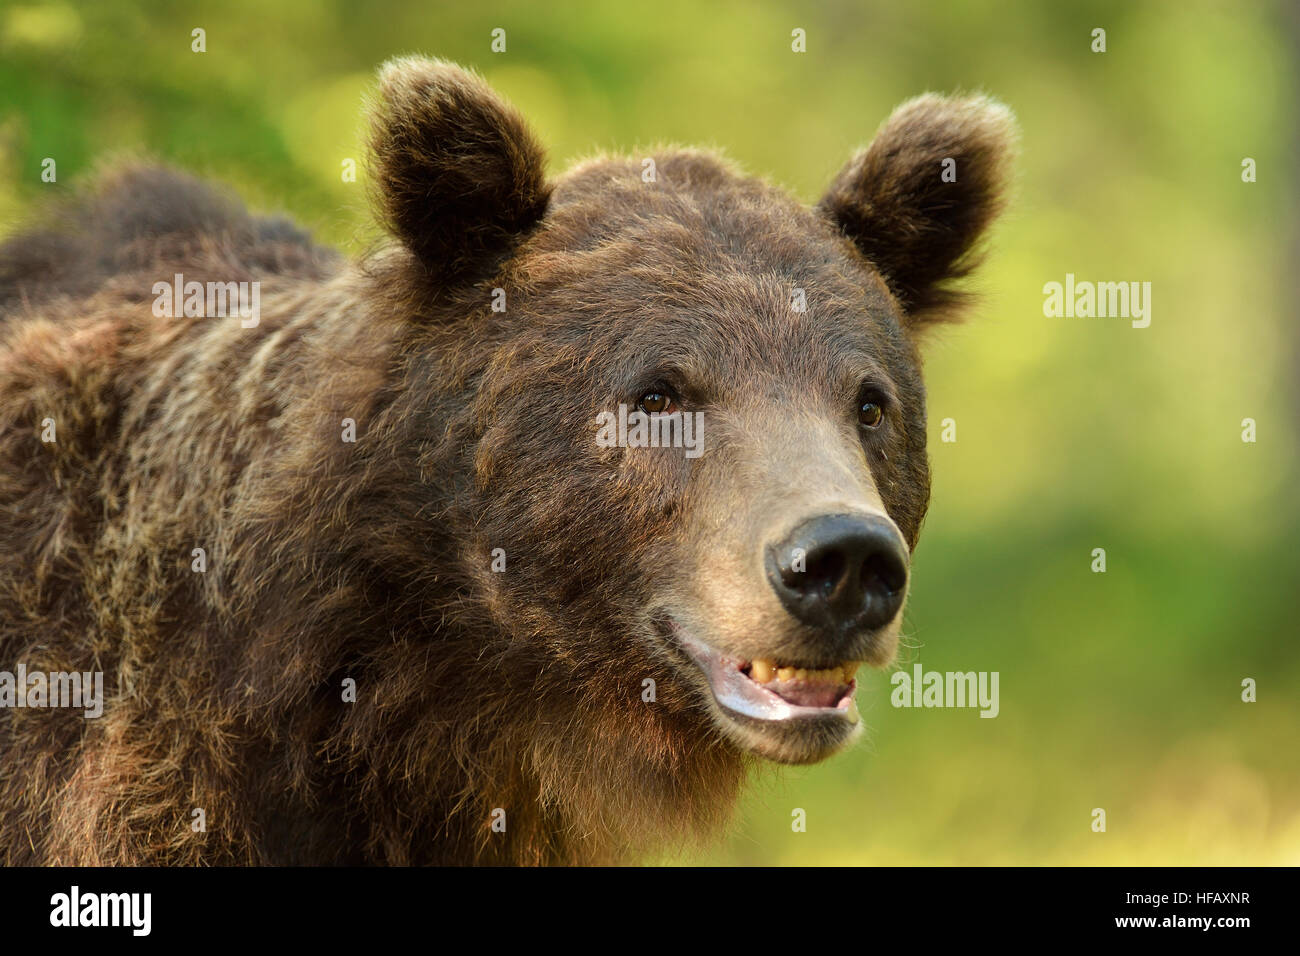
(682, 413)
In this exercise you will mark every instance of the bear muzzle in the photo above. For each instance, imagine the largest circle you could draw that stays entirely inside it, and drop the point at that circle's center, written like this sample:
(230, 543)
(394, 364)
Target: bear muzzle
(842, 576)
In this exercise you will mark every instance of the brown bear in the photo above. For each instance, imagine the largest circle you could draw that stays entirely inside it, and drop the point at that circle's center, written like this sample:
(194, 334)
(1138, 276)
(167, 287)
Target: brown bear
(382, 568)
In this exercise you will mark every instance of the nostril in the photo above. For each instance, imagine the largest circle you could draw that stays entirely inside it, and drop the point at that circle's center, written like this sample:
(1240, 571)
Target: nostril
(882, 574)
(825, 572)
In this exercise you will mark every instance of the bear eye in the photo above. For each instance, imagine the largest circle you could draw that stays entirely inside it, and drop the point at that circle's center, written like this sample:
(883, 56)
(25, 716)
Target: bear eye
(656, 402)
(870, 414)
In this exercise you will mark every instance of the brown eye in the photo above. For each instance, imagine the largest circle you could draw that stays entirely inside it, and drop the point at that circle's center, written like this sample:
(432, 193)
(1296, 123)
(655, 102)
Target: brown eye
(655, 403)
(870, 414)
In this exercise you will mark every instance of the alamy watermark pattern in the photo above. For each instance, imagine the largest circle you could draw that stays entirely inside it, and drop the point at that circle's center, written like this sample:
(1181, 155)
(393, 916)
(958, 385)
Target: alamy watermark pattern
(638, 429)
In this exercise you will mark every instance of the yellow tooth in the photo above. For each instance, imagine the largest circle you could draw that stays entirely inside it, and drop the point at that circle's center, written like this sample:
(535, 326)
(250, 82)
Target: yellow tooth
(762, 671)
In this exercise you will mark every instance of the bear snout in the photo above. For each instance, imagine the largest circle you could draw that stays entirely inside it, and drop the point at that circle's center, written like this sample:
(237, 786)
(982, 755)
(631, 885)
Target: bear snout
(841, 574)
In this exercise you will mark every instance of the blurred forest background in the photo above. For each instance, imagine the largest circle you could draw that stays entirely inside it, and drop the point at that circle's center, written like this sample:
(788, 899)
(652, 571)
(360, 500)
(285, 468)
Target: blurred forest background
(1119, 690)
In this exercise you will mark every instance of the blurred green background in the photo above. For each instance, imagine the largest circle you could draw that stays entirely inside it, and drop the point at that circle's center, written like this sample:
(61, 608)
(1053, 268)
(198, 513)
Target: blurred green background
(1119, 690)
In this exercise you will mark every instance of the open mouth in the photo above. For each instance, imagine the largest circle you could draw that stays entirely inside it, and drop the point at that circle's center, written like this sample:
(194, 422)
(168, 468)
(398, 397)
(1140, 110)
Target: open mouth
(772, 690)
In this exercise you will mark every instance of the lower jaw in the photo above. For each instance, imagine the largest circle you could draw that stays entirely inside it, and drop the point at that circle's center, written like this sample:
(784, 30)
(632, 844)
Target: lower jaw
(765, 723)
(798, 740)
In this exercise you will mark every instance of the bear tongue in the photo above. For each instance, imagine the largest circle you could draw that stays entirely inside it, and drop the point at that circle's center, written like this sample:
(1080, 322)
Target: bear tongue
(807, 693)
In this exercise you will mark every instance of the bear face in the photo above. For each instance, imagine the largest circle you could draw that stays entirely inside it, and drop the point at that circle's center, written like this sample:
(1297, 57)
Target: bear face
(748, 577)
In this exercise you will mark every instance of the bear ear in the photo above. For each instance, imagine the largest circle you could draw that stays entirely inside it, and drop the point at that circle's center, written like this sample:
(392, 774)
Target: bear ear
(458, 176)
(914, 214)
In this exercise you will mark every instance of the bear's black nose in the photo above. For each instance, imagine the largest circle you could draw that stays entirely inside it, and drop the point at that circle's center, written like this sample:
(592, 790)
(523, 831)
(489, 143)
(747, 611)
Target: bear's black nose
(841, 573)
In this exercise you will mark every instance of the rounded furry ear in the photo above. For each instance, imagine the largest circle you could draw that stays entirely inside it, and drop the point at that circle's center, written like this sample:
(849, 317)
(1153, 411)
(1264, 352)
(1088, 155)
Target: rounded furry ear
(458, 176)
(917, 200)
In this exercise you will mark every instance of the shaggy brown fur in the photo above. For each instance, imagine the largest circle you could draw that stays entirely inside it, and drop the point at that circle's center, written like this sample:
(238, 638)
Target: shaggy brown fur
(329, 560)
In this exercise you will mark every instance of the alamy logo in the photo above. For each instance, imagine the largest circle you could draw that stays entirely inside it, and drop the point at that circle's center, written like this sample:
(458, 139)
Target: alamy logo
(638, 429)
(923, 688)
(53, 689)
(1102, 300)
(75, 908)
(210, 300)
